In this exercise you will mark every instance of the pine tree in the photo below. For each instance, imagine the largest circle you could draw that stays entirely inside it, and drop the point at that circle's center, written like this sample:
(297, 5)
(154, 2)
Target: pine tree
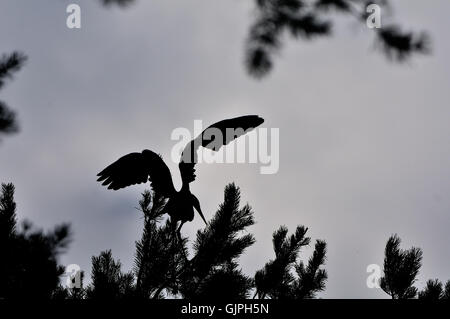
(311, 278)
(108, 281)
(29, 267)
(213, 272)
(432, 291)
(401, 268)
(276, 280)
(74, 293)
(162, 267)
(160, 257)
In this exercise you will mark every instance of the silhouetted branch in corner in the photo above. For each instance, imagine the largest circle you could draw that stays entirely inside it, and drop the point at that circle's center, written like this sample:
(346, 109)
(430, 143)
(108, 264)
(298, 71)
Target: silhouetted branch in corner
(29, 267)
(9, 64)
(310, 19)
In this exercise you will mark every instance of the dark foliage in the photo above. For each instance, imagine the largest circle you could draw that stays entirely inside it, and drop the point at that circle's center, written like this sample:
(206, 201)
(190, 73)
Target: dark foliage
(74, 293)
(434, 290)
(7, 213)
(399, 46)
(276, 279)
(120, 3)
(447, 291)
(29, 267)
(311, 279)
(401, 268)
(108, 281)
(162, 267)
(222, 283)
(9, 64)
(8, 122)
(309, 19)
(160, 257)
(216, 250)
(274, 17)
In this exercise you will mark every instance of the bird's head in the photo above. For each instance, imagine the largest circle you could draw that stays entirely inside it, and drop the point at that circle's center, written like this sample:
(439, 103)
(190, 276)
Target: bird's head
(187, 171)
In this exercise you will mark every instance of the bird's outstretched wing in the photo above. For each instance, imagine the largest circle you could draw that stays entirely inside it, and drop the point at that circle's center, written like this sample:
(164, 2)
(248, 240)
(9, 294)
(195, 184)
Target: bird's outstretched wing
(214, 137)
(136, 168)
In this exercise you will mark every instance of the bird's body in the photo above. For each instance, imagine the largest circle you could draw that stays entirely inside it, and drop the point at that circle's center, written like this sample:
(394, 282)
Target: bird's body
(136, 168)
(180, 207)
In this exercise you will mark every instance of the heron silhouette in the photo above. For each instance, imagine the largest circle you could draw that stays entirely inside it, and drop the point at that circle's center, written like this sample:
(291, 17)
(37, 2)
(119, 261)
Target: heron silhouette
(136, 168)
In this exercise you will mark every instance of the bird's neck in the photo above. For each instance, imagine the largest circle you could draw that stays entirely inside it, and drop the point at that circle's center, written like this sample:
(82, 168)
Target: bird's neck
(185, 188)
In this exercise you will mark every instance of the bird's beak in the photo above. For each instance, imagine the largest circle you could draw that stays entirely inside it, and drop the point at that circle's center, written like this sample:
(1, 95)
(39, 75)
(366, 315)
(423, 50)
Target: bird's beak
(201, 215)
(199, 210)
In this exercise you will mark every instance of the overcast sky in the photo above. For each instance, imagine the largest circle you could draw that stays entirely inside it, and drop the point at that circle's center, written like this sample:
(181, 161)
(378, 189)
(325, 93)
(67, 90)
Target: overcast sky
(364, 143)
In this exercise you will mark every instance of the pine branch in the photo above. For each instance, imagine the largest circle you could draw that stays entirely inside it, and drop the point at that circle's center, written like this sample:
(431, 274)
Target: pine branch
(10, 64)
(29, 267)
(308, 20)
(8, 122)
(120, 3)
(311, 279)
(159, 255)
(400, 46)
(401, 268)
(217, 248)
(275, 279)
(7, 212)
(108, 281)
(432, 291)
(446, 295)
